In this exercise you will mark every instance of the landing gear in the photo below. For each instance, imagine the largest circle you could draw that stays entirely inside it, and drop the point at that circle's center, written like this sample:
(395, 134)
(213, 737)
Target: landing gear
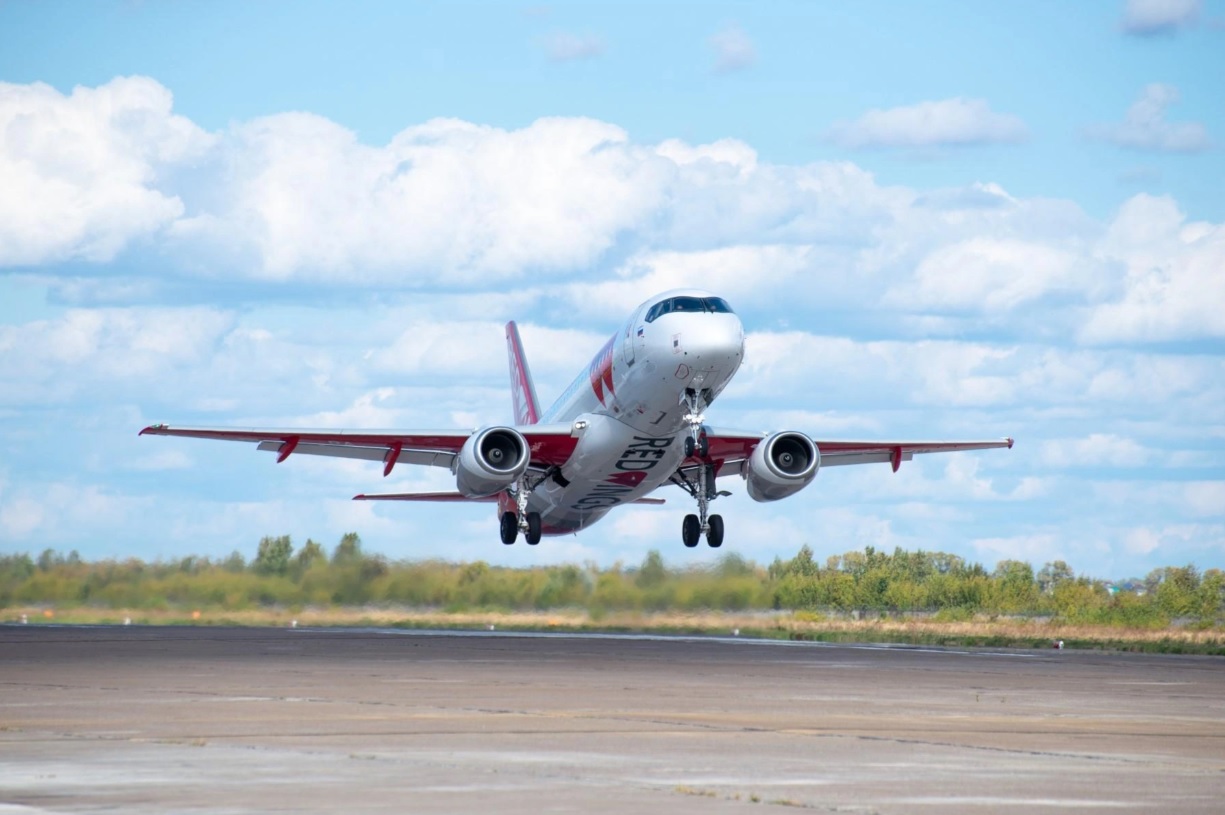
(510, 528)
(532, 535)
(702, 488)
(695, 403)
(691, 530)
(701, 446)
(529, 523)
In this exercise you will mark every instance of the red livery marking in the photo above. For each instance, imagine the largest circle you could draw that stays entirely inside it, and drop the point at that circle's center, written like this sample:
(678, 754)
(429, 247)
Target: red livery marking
(627, 479)
(601, 371)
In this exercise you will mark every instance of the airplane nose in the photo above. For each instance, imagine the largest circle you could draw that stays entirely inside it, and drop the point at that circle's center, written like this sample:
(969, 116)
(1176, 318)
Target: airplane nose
(715, 341)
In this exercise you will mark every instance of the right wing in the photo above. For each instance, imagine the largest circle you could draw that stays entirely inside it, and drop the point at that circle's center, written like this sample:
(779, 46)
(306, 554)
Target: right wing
(730, 448)
(549, 445)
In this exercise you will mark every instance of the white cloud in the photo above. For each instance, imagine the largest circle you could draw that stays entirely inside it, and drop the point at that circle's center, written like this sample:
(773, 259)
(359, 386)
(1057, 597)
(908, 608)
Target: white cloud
(990, 274)
(1171, 285)
(81, 171)
(945, 123)
(1095, 450)
(104, 344)
(1144, 127)
(1175, 542)
(745, 275)
(444, 201)
(734, 50)
(1149, 17)
(565, 46)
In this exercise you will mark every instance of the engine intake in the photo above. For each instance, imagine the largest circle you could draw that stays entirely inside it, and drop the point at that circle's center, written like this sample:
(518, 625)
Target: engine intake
(490, 461)
(782, 465)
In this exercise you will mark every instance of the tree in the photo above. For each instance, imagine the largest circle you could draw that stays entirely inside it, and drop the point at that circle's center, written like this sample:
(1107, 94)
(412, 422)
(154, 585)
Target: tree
(273, 556)
(310, 553)
(1052, 574)
(652, 572)
(235, 562)
(803, 564)
(349, 550)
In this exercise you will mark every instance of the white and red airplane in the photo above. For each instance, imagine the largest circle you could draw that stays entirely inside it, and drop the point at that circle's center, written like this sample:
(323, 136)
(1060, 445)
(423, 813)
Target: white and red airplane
(628, 425)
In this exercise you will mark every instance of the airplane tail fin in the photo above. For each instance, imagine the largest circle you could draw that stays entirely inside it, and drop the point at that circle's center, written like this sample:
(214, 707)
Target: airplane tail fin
(523, 391)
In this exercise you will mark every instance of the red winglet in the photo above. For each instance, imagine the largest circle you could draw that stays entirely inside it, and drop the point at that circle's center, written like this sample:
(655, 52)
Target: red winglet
(895, 458)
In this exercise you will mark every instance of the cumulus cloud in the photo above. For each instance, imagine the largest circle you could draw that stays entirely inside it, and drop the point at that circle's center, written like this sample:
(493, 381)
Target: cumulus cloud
(992, 274)
(734, 50)
(953, 122)
(1171, 287)
(119, 343)
(81, 171)
(1151, 17)
(565, 46)
(1095, 450)
(446, 200)
(1144, 127)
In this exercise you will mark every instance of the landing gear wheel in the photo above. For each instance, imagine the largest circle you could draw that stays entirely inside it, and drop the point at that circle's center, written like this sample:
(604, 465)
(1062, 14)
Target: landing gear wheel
(714, 531)
(532, 536)
(690, 446)
(703, 446)
(510, 528)
(691, 530)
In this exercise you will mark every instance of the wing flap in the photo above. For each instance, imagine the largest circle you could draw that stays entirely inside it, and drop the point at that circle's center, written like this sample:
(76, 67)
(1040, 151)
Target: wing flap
(429, 458)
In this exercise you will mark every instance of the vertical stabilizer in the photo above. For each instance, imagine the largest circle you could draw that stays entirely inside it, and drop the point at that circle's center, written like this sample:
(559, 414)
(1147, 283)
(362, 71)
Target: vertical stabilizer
(523, 391)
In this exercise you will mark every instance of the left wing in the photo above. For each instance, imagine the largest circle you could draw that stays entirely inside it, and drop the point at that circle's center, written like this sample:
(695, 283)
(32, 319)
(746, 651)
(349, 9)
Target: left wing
(549, 445)
(730, 448)
(453, 496)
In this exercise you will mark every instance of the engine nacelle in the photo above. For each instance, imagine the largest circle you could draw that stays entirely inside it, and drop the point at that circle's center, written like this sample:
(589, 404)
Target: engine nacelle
(490, 461)
(783, 464)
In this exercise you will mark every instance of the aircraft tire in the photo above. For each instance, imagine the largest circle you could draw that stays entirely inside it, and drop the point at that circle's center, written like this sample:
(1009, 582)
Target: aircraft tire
(689, 446)
(703, 446)
(691, 530)
(509, 528)
(533, 529)
(714, 535)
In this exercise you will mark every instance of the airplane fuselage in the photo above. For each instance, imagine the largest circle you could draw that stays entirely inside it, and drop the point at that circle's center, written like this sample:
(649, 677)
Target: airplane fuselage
(628, 407)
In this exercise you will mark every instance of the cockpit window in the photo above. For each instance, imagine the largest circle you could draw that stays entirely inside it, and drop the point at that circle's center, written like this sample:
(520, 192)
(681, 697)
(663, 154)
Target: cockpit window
(711, 305)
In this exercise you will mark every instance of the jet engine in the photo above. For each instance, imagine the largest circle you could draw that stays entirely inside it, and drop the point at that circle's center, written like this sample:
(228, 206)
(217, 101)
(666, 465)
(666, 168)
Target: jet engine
(490, 461)
(782, 465)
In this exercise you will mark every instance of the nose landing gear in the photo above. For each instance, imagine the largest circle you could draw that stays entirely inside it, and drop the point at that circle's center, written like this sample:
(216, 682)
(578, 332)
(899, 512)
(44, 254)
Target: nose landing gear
(703, 487)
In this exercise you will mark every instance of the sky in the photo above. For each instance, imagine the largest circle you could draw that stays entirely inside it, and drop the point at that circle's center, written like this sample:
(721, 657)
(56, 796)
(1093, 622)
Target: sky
(944, 220)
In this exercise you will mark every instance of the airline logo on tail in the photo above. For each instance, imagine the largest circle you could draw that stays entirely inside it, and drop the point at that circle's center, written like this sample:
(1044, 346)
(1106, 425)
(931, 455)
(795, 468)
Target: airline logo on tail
(522, 390)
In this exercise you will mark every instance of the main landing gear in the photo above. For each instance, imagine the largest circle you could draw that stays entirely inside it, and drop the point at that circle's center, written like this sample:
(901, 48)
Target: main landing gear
(521, 520)
(703, 487)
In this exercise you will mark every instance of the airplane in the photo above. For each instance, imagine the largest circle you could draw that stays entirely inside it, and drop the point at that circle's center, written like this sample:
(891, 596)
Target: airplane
(632, 422)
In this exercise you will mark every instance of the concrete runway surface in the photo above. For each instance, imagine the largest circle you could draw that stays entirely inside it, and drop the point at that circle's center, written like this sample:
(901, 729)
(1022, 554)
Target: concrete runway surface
(155, 720)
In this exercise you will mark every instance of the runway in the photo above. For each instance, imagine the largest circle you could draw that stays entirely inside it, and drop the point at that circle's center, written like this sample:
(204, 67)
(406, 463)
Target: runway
(153, 720)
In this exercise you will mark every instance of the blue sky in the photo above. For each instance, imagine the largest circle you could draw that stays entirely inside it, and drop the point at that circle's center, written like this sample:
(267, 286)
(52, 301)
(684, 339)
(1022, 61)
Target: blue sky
(936, 220)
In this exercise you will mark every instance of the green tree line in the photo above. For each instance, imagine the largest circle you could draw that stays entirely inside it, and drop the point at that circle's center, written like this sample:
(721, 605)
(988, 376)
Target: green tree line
(865, 582)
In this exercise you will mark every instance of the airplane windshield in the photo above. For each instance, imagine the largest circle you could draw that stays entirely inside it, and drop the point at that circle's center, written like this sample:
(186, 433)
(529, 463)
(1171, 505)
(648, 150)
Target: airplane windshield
(710, 305)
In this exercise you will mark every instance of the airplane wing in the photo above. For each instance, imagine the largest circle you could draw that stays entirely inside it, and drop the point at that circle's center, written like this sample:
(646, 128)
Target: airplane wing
(453, 496)
(730, 448)
(550, 445)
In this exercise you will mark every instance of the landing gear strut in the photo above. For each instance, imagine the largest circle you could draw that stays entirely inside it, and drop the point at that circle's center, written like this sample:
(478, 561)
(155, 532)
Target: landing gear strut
(522, 520)
(703, 487)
